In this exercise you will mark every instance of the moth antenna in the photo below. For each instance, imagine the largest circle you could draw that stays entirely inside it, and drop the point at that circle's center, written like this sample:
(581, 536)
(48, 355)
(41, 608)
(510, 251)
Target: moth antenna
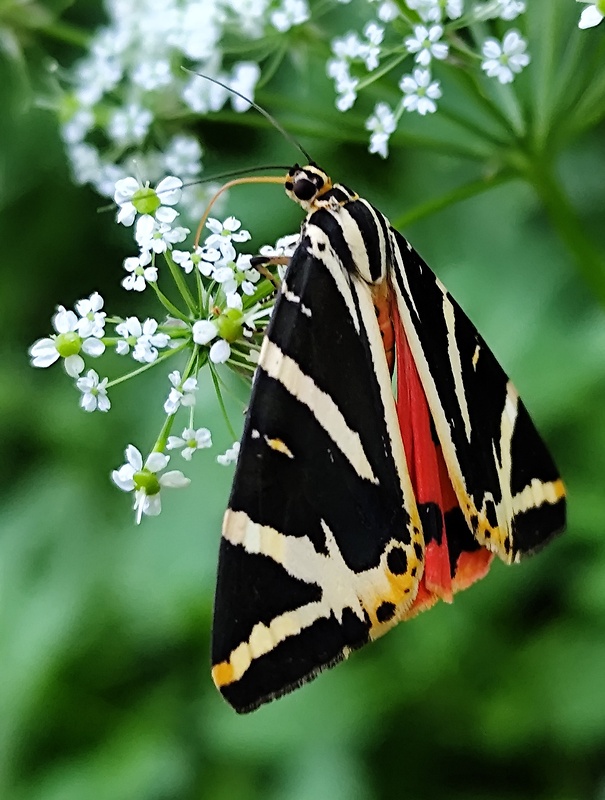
(228, 185)
(234, 174)
(260, 109)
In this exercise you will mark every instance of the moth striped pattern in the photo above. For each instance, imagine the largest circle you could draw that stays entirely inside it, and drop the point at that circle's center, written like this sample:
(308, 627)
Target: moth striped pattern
(386, 457)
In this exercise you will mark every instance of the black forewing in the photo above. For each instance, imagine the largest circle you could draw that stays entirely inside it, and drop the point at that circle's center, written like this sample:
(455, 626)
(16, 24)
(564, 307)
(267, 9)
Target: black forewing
(318, 483)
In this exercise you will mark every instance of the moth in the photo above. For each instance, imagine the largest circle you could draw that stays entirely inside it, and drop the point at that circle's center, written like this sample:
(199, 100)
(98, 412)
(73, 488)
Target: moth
(386, 457)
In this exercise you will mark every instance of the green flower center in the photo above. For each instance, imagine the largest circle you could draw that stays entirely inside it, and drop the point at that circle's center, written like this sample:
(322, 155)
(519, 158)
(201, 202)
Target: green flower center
(230, 325)
(68, 344)
(146, 201)
(147, 481)
(600, 6)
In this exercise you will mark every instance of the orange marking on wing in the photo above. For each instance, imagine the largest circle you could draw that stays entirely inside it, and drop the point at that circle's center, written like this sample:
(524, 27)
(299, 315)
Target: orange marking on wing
(222, 674)
(382, 304)
(471, 568)
(423, 460)
(430, 481)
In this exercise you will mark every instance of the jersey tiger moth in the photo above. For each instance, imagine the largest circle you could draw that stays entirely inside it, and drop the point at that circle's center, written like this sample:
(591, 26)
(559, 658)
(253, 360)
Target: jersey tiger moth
(355, 506)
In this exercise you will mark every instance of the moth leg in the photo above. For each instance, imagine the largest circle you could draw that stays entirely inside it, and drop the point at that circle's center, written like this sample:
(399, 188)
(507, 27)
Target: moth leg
(262, 264)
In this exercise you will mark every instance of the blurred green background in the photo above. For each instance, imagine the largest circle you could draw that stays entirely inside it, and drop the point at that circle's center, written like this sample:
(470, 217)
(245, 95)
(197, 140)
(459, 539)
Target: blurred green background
(105, 688)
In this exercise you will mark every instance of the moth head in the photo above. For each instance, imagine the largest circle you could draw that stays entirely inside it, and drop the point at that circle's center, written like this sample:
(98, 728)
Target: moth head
(306, 184)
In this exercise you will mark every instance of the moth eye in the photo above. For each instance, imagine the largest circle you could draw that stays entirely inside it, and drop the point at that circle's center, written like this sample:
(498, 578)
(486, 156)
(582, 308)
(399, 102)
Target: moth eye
(304, 189)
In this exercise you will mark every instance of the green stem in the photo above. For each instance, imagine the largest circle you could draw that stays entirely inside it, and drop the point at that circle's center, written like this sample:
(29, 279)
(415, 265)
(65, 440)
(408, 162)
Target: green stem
(160, 442)
(456, 195)
(192, 367)
(384, 69)
(589, 260)
(168, 304)
(63, 32)
(177, 276)
(221, 402)
(145, 367)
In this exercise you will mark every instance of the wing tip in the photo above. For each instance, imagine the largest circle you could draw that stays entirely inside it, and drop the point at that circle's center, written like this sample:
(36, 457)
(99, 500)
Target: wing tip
(253, 705)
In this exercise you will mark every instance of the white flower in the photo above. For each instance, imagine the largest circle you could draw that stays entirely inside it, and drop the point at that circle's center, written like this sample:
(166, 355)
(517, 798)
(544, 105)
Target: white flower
(129, 125)
(183, 156)
(143, 337)
(344, 84)
(370, 52)
(140, 274)
(225, 276)
(75, 129)
(454, 8)
(144, 481)
(204, 331)
(181, 394)
(220, 352)
(94, 392)
(243, 80)
(388, 11)
(136, 198)
(95, 76)
(152, 74)
(234, 300)
(420, 92)
(191, 440)
(425, 43)
(230, 456)
(284, 246)
(92, 319)
(202, 96)
(209, 257)
(350, 48)
(432, 10)
(382, 123)
(510, 9)
(502, 61)
(428, 10)
(347, 47)
(67, 344)
(592, 15)
(290, 13)
(225, 232)
(204, 258)
(157, 236)
(85, 162)
(347, 93)
(187, 260)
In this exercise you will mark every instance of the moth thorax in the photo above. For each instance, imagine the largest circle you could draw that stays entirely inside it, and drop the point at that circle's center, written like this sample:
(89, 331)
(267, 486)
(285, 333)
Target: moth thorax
(305, 184)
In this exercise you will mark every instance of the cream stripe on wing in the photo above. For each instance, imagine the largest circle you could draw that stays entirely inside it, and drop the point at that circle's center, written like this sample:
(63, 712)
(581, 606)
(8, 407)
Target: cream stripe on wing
(285, 370)
(354, 239)
(341, 587)
(321, 248)
(455, 363)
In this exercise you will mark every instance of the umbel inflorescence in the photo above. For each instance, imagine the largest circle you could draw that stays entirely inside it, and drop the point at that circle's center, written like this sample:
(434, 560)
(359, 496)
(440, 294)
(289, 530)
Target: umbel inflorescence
(224, 306)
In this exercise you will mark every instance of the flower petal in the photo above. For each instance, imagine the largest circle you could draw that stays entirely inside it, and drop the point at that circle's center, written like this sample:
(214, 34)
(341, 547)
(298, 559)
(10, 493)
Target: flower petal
(74, 365)
(174, 480)
(204, 331)
(134, 457)
(220, 352)
(156, 461)
(590, 17)
(169, 190)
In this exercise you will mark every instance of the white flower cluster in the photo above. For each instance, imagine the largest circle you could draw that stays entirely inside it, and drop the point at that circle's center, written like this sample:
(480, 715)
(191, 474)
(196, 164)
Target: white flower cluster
(381, 49)
(222, 320)
(137, 77)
